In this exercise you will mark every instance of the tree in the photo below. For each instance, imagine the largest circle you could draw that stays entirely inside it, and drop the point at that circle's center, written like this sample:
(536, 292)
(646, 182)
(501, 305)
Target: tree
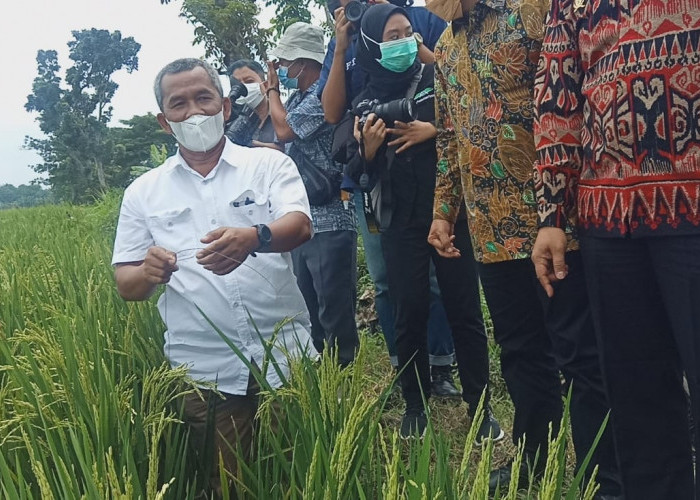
(230, 30)
(23, 196)
(78, 146)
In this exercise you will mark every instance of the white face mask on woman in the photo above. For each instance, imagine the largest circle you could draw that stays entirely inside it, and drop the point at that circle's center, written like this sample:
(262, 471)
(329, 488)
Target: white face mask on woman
(254, 97)
(199, 133)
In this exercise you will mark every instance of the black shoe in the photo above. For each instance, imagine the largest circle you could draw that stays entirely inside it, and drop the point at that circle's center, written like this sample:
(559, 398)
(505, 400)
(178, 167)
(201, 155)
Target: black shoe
(442, 383)
(413, 423)
(499, 479)
(489, 429)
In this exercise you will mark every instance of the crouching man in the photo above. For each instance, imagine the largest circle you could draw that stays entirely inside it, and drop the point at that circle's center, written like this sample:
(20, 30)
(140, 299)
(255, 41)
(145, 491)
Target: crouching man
(215, 224)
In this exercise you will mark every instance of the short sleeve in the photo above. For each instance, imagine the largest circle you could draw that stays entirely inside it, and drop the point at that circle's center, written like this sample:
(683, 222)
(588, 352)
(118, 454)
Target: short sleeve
(133, 237)
(306, 117)
(286, 190)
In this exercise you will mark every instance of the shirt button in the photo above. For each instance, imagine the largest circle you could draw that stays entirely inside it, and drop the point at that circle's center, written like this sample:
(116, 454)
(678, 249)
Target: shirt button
(213, 221)
(250, 212)
(235, 304)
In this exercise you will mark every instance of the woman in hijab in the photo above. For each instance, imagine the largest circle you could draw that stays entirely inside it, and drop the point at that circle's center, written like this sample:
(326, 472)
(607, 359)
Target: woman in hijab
(398, 160)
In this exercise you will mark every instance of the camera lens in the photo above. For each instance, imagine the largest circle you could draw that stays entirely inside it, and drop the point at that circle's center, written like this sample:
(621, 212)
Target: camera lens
(354, 11)
(403, 110)
(237, 90)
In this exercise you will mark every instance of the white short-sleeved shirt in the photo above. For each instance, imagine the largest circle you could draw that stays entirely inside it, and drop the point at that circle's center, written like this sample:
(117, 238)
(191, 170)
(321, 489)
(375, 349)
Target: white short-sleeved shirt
(173, 206)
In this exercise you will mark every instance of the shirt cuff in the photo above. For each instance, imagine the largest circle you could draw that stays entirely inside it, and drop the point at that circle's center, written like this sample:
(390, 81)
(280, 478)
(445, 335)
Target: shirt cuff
(444, 211)
(551, 215)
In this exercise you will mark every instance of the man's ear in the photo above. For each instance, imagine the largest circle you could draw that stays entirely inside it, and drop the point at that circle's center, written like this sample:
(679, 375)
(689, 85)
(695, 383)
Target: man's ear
(227, 108)
(164, 123)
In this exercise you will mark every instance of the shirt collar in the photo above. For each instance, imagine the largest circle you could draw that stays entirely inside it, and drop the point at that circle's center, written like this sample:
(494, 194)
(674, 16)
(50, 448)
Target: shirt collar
(228, 156)
(462, 22)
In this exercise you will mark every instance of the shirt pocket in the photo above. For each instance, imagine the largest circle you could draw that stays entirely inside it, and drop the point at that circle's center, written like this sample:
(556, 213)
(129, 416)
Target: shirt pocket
(174, 229)
(248, 209)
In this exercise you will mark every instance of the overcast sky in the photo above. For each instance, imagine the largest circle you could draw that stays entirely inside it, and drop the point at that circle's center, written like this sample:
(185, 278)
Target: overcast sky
(29, 25)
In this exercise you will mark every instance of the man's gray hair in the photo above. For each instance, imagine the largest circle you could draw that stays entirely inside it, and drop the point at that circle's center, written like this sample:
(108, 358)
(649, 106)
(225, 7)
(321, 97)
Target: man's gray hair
(180, 66)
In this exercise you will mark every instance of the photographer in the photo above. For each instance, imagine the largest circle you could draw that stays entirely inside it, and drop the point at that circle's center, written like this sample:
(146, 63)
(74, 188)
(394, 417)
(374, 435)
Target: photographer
(325, 266)
(401, 156)
(340, 82)
(250, 123)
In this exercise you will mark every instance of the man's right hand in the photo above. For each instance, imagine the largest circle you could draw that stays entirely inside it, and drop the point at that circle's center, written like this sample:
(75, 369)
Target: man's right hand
(548, 255)
(343, 28)
(159, 265)
(442, 237)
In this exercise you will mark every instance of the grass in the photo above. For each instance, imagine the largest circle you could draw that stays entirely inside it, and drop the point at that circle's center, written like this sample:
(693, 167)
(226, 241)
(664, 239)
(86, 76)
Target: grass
(90, 409)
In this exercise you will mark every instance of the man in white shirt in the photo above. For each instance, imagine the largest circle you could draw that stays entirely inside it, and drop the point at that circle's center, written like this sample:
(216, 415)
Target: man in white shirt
(192, 224)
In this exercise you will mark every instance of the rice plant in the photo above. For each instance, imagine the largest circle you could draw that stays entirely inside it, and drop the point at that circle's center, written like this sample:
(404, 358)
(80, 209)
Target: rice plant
(89, 407)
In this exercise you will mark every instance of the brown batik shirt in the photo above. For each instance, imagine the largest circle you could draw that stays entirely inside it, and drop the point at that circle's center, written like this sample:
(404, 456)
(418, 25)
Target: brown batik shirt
(485, 67)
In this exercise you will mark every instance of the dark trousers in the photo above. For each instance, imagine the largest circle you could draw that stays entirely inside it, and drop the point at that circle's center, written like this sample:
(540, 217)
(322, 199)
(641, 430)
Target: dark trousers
(645, 300)
(539, 337)
(326, 271)
(408, 256)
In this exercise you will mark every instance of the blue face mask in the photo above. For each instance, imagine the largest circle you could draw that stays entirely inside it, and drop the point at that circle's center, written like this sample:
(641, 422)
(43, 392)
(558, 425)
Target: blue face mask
(290, 83)
(397, 55)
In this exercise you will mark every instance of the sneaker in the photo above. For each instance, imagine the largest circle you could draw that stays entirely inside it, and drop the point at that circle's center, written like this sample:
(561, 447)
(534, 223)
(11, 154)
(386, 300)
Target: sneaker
(499, 479)
(489, 429)
(413, 423)
(442, 383)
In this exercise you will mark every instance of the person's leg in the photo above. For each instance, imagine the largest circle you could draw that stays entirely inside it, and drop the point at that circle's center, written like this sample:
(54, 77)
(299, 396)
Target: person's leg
(570, 327)
(440, 345)
(306, 286)
(222, 426)
(677, 267)
(374, 257)
(331, 260)
(641, 369)
(459, 283)
(408, 257)
(527, 363)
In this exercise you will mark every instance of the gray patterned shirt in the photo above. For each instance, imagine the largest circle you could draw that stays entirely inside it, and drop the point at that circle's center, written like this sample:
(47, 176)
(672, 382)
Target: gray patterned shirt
(314, 139)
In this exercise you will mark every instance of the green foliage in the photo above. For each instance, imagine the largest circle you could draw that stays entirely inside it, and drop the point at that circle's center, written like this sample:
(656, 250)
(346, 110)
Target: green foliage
(90, 409)
(228, 29)
(78, 148)
(24, 196)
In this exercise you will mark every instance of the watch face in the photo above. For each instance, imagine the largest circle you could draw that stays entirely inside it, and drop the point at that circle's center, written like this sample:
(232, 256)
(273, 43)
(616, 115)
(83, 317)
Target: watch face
(264, 234)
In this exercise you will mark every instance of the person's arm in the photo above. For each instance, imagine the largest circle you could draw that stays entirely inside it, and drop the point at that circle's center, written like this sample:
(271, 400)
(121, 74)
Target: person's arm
(291, 225)
(278, 113)
(139, 280)
(448, 182)
(229, 247)
(334, 96)
(557, 127)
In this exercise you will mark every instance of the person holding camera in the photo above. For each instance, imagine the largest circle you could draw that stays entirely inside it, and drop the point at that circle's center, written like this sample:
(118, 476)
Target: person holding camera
(340, 82)
(394, 162)
(250, 123)
(325, 266)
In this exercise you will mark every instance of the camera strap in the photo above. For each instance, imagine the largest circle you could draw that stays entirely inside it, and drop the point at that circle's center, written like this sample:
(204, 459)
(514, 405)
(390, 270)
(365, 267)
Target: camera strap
(379, 197)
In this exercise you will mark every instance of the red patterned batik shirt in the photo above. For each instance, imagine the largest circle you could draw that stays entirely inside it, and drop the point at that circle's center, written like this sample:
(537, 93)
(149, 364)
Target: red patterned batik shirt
(618, 117)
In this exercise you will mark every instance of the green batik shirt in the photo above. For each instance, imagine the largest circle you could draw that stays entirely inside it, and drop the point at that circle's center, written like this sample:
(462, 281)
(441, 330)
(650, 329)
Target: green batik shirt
(485, 66)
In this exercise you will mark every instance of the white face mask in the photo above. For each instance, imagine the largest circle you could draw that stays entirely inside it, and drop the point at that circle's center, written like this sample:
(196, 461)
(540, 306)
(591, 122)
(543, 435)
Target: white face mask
(199, 133)
(254, 97)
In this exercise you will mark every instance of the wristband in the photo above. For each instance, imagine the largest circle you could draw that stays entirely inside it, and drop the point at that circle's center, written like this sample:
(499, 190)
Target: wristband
(276, 89)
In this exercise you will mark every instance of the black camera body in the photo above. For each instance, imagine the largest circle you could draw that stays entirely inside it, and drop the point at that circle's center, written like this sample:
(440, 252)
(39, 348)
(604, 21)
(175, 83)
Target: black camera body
(354, 10)
(402, 110)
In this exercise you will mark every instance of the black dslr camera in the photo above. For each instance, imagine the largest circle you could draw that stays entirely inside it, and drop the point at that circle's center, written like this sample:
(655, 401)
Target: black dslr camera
(402, 110)
(354, 10)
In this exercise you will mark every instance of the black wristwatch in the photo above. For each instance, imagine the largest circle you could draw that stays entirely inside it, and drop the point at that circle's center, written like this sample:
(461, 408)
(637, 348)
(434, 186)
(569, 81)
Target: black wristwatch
(264, 236)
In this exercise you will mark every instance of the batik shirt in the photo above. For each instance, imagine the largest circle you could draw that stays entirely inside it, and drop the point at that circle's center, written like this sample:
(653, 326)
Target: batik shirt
(618, 96)
(485, 73)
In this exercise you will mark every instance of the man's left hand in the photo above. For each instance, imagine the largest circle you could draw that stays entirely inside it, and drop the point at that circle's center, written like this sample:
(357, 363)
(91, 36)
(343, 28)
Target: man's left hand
(410, 134)
(229, 247)
(273, 81)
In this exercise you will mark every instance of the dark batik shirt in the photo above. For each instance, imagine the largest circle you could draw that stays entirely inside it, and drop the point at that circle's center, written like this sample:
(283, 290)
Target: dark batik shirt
(485, 73)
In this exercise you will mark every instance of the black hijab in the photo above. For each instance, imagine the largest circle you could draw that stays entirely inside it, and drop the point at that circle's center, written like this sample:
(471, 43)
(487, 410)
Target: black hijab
(382, 84)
